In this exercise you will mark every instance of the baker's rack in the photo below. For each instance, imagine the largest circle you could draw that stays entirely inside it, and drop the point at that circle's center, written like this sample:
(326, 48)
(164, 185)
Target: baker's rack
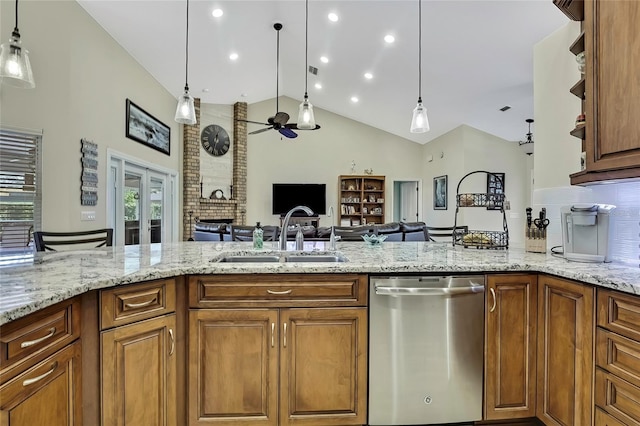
(475, 238)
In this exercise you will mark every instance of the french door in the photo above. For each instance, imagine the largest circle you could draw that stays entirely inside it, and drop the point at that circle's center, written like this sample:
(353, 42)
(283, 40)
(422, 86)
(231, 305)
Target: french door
(141, 201)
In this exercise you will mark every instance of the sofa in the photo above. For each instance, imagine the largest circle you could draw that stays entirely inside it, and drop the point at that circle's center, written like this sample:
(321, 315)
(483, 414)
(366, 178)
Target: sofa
(395, 231)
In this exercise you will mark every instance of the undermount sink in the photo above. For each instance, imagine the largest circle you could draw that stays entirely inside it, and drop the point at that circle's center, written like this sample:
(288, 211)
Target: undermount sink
(315, 258)
(284, 258)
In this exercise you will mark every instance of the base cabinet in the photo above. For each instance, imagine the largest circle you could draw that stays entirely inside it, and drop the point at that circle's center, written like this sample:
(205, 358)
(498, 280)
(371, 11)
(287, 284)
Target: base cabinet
(510, 347)
(49, 393)
(277, 366)
(565, 352)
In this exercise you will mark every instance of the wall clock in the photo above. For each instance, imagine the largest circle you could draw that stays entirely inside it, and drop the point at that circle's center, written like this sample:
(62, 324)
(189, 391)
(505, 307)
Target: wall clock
(215, 140)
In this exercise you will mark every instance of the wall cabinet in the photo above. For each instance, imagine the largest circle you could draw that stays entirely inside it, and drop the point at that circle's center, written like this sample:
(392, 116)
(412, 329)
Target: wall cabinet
(278, 360)
(612, 137)
(362, 199)
(40, 368)
(565, 352)
(139, 362)
(510, 347)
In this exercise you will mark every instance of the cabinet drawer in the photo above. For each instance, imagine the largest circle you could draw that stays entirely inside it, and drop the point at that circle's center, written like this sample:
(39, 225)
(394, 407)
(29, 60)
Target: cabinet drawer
(604, 419)
(277, 290)
(48, 393)
(30, 339)
(619, 313)
(618, 355)
(617, 397)
(124, 305)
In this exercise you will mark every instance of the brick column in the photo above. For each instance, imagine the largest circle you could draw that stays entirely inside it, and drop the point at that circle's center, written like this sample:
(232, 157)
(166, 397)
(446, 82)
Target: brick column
(191, 173)
(240, 161)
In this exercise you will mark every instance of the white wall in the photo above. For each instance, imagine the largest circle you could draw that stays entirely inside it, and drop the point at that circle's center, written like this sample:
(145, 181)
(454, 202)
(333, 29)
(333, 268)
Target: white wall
(83, 78)
(320, 156)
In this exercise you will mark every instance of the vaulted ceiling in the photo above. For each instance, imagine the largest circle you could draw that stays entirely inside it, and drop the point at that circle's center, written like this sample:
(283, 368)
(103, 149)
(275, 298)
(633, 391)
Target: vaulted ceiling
(477, 56)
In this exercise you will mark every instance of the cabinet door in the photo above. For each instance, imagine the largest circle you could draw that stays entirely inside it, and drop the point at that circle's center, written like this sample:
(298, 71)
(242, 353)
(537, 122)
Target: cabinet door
(49, 393)
(323, 367)
(233, 366)
(510, 367)
(613, 95)
(565, 351)
(139, 374)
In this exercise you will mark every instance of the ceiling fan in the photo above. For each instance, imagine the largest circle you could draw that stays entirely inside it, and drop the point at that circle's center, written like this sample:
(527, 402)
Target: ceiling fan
(279, 120)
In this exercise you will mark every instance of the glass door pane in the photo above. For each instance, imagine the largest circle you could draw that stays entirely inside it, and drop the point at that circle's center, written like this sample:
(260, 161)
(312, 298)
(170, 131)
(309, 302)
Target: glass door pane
(132, 208)
(156, 207)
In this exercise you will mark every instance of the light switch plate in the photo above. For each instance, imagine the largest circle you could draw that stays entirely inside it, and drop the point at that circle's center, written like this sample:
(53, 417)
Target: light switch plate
(87, 216)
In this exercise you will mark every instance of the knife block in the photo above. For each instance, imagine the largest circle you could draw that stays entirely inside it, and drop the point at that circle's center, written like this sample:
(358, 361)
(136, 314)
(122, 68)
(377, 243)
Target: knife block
(536, 245)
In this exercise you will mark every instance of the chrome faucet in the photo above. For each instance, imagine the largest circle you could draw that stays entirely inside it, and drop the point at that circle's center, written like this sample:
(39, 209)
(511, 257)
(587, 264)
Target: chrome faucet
(285, 224)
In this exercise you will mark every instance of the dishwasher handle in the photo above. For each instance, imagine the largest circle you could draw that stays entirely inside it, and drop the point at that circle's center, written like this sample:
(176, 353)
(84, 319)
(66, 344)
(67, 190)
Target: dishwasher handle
(425, 291)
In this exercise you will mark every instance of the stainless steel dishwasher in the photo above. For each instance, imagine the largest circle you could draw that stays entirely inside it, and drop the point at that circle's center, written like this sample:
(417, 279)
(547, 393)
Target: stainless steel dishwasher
(425, 349)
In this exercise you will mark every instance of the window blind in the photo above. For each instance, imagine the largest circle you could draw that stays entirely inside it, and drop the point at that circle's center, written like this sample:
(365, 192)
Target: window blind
(20, 192)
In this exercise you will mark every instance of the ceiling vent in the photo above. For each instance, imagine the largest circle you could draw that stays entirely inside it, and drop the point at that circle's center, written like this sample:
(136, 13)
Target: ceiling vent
(505, 108)
(313, 70)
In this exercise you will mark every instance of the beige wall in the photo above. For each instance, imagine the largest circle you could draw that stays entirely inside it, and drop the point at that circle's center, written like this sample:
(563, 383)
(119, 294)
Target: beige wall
(83, 78)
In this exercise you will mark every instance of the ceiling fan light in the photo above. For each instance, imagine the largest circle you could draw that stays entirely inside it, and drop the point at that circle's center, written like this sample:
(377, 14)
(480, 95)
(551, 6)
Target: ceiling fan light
(420, 121)
(306, 118)
(186, 111)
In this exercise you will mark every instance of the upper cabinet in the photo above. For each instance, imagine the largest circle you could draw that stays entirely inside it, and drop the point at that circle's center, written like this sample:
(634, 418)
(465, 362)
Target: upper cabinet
(611, 91)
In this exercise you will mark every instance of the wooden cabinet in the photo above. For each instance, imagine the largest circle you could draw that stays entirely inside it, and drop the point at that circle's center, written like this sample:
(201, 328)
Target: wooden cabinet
(612, 138)
(362, 199)
(277, 360)
(510, 347)
(40, 368)
(565, 352)
(617, 384)
(139, 361)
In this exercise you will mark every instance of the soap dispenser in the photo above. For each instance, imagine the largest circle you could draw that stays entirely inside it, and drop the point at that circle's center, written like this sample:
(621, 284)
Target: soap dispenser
(258, 236)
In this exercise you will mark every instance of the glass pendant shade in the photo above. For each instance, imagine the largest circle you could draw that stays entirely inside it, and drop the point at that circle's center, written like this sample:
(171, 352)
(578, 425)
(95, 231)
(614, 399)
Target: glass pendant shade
(306, 119)
(15, 68)
(186, 110)
(420, 121)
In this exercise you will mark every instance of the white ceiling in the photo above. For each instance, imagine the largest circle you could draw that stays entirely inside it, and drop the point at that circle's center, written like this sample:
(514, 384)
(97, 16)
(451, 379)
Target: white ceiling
(477, 56)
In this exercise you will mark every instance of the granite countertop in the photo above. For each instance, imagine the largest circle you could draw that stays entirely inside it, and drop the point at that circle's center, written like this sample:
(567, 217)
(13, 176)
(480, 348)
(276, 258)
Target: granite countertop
(53, 277)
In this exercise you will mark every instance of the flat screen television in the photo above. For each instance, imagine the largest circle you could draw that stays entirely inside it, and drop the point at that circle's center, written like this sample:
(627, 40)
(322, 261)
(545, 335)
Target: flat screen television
(288, 195)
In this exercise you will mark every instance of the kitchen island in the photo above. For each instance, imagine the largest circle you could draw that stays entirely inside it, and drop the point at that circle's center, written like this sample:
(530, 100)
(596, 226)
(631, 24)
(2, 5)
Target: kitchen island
(53, 277)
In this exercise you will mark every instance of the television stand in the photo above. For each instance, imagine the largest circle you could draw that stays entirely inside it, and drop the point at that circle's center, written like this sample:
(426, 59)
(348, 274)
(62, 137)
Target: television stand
(302, 221)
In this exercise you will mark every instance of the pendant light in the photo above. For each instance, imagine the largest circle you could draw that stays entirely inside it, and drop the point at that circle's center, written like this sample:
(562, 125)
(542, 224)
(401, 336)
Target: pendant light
(527, 144)
(306, 119)
(186, 110)
(15, 68)
(420, 121)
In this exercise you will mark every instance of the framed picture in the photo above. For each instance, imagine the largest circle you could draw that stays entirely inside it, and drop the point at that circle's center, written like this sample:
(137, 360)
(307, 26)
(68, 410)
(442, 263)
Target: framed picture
(495, 185)
(146, 129)
(440, 193)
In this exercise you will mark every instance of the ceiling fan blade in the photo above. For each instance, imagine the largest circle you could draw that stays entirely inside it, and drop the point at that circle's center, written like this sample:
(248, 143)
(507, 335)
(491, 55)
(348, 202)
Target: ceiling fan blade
(281, 118)
(294, 126)
(288, 133)
(255, 132)
(253, 122)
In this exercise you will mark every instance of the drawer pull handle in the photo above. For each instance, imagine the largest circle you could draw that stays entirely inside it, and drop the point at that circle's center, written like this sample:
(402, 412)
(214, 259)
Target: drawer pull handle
(28, 382)
(173, 342)
(141, 304)
(273, 329)
(49, 335)
(493, 295)
(279, 292)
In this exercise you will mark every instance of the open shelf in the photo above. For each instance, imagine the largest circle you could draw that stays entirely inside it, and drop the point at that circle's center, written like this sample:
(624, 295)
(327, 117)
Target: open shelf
(578, 45)
(579, 132)
(579, 88)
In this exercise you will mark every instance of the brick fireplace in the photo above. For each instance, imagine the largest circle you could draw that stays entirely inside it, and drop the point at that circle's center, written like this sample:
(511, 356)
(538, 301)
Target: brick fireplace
(205, 208)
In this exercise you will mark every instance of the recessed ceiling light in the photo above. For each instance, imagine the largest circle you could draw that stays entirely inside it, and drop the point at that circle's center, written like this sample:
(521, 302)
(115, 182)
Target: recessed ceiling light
(333, 17)
(217, 13)
(233, 56)
(205, 90)
(354, 99)
(389, 38)
(318, 86)
(324, 59)
(368, 75)
(244, 95)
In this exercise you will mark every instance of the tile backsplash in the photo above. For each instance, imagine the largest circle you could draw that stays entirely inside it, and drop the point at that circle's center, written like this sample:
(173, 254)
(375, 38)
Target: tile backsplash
(626, 223)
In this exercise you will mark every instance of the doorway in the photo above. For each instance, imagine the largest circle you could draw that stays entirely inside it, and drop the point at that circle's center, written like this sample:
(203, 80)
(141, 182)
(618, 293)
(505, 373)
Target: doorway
(407, 199)
(141, 203)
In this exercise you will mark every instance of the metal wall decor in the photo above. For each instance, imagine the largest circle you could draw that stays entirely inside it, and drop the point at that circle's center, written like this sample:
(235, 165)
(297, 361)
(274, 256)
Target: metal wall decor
(89, 176)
